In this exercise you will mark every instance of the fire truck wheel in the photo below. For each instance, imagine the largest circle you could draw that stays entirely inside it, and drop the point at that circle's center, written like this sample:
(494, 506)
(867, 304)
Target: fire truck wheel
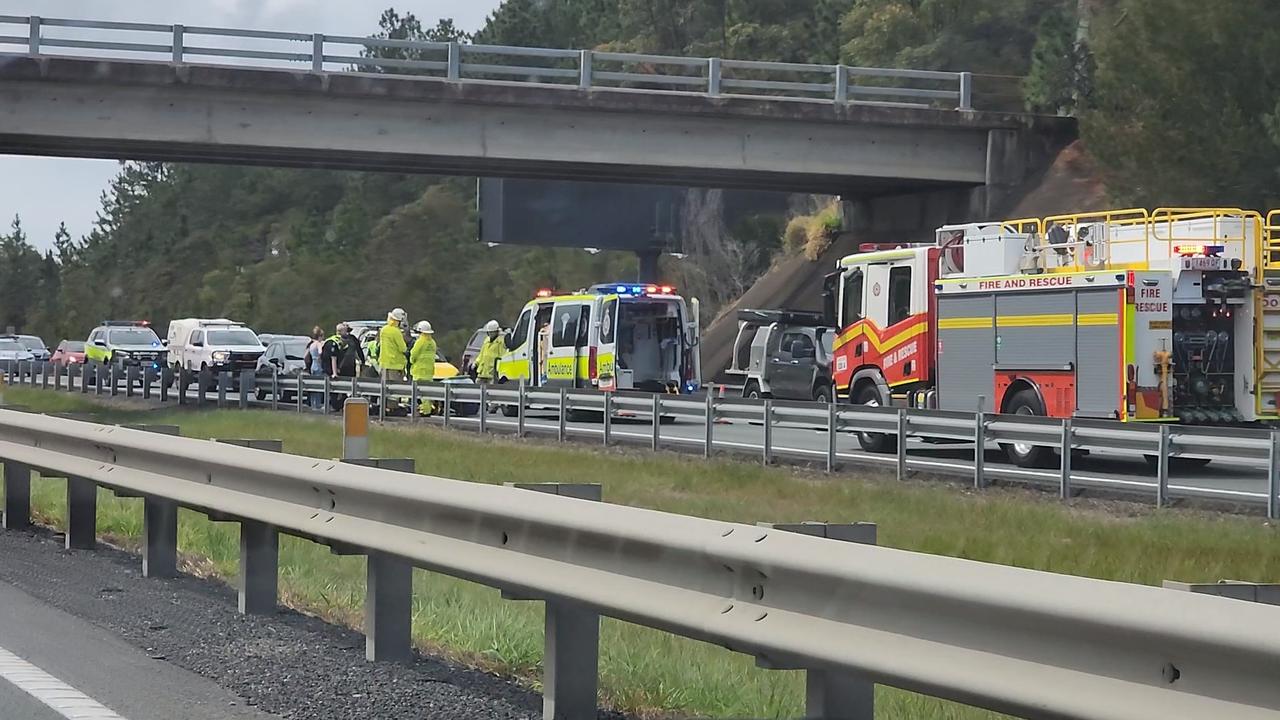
(873, 442)
(1026, 402)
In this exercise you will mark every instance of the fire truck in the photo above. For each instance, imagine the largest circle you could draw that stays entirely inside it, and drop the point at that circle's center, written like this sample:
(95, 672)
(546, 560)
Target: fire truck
(1165, 316)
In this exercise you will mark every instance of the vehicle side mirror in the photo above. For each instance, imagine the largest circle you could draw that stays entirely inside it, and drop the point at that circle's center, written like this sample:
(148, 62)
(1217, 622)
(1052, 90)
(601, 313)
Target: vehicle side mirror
(507, 340)
(164, 343)
(198, 343)
(100, 343)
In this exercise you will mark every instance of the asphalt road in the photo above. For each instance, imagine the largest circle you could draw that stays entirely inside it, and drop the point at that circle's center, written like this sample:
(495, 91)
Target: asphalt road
(100, 669)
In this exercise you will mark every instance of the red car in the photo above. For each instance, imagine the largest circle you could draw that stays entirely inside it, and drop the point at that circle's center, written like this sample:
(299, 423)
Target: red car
(69, 352)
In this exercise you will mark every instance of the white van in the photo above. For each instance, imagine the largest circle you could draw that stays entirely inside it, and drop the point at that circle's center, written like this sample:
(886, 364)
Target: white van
(217, 345)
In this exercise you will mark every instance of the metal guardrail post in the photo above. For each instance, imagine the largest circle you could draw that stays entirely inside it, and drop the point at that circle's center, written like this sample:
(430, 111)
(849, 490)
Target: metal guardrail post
(275, 387)
(767, 445)
(148, 375)
(224, 381)
(966, 91)
(178, 43)
(833, 428)
(1064, 476)
(130, 376)
(709, 417)
(562, 420)
(57, 378)
(82, 514)
(44, 375)
(842, 84)
(454, 71)
(414, 400)
(902, 444)
(159, 525)
(33, 37)
(484, 408)
(17, 496)
(448, 404)
(317, 52)
(713, 77)
(607, 420)
(300, 392)
(382, 397)
(1162, 468)
(979, 448)
(571, 649)
(113, 377)
(328, 394)
(831, 694)
(657, 421)
(258, 587)
(1273, 477)
(584, 69)
(520, 401)
(166, 378)
(247, 383)
(84, 377)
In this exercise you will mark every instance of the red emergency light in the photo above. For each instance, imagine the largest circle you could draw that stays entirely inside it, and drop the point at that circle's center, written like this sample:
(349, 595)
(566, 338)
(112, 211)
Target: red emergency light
(543, 293)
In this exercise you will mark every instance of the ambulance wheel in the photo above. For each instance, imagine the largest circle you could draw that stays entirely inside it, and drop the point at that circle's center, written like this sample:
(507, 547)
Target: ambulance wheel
(873, 442)
(1027, 402)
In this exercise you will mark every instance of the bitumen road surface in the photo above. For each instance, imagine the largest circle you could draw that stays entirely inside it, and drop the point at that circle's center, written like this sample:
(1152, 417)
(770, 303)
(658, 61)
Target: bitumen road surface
(84, 629)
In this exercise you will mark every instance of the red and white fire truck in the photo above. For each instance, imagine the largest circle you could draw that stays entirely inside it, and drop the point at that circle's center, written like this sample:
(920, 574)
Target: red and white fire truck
(1164, 316)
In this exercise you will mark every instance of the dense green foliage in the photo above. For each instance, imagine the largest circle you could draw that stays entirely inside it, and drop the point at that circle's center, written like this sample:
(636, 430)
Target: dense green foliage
(1172, 95)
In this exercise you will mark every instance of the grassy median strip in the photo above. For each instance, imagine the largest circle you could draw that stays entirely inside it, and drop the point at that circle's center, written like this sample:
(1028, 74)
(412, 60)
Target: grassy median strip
(650, 672)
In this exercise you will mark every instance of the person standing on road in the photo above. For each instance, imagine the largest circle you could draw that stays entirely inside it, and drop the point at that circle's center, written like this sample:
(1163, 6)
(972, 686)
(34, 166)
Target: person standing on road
(315, 364)
(393, 352)
(422, 361)
(341, 357)
(485, 368)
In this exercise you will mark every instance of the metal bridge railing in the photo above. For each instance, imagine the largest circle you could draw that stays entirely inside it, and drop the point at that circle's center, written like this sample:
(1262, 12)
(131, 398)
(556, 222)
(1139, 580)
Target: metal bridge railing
(463, 62)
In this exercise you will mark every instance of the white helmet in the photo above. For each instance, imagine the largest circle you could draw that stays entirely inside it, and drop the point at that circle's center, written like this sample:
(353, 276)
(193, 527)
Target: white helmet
(492, 326)
(424, 328)
(399, 315)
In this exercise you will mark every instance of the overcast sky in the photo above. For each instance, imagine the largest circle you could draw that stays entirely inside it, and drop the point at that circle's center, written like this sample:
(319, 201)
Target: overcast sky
(45, 191)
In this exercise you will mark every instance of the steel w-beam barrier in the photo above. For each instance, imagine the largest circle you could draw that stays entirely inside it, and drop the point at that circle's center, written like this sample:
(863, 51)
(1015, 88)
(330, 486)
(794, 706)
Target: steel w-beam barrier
(1012, 640)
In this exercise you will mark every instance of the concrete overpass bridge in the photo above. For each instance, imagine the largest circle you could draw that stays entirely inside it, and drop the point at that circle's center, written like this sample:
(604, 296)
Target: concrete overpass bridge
(512, 112)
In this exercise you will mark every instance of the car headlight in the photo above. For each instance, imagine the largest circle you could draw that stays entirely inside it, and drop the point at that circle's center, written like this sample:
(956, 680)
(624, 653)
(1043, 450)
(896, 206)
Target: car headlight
(221, 356)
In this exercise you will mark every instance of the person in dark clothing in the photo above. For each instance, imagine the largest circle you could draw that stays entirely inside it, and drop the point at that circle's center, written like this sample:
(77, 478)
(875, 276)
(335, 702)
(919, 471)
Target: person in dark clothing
(340, 358)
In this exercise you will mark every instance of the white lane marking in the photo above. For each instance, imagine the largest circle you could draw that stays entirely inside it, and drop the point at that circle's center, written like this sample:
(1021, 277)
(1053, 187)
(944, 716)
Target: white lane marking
(57, 695)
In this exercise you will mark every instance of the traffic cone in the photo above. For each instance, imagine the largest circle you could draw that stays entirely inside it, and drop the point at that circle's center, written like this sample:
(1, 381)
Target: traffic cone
(721, 420)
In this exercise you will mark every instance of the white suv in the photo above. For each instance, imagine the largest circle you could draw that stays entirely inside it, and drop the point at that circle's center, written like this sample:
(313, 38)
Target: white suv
(216, 345)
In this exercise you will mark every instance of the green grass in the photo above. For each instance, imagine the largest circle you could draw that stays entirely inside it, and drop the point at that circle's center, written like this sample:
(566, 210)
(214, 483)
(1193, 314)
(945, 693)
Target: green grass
(648, 671)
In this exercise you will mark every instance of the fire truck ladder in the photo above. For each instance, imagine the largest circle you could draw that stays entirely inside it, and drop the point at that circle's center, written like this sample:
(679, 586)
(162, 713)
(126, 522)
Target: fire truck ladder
(1268, 341)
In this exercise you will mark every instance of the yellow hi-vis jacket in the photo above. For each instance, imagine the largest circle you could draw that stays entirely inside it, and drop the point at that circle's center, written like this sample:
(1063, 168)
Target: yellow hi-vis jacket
(422, 359)
(392, 352)
(490, 352)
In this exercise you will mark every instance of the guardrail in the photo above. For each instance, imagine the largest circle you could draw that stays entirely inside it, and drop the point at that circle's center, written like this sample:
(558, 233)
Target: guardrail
(1012, 640)
(461, 402)
(462, 62)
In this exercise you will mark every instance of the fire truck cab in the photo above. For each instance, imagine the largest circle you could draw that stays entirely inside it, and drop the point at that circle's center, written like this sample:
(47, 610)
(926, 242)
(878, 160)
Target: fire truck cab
(1125, 315)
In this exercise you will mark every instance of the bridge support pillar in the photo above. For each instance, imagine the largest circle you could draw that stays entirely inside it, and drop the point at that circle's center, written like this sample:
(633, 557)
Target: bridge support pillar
(17, 496)
(831, 694)
(82, 514)
(571, 657)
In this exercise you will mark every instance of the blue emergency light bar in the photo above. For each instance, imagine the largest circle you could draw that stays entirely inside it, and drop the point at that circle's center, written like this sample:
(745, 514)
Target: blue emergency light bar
(632, 289)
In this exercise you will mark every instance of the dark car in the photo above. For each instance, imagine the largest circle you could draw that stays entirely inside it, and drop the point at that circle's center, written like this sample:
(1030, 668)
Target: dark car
(286, 355)
(470, 352)
(68, 352)
(783, 354)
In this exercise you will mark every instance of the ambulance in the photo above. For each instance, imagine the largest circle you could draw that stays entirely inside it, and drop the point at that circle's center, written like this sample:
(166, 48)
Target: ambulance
(1165, 316)
(612, 336)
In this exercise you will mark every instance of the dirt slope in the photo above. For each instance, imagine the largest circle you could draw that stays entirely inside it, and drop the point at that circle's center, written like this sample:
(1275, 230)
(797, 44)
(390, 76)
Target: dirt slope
(1070, 184)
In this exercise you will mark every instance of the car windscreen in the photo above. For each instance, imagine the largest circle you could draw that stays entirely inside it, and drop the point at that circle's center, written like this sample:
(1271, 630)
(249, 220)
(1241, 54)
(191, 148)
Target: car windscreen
(827, 339)
(238, 336)
(75, 346)
(31, 342)
(11, 346)
(133, 336)
(296, 350)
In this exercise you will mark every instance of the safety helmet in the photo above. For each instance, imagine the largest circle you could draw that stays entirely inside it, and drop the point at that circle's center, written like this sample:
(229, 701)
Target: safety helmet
(424, 328)
(399, 315)
(492, 326)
